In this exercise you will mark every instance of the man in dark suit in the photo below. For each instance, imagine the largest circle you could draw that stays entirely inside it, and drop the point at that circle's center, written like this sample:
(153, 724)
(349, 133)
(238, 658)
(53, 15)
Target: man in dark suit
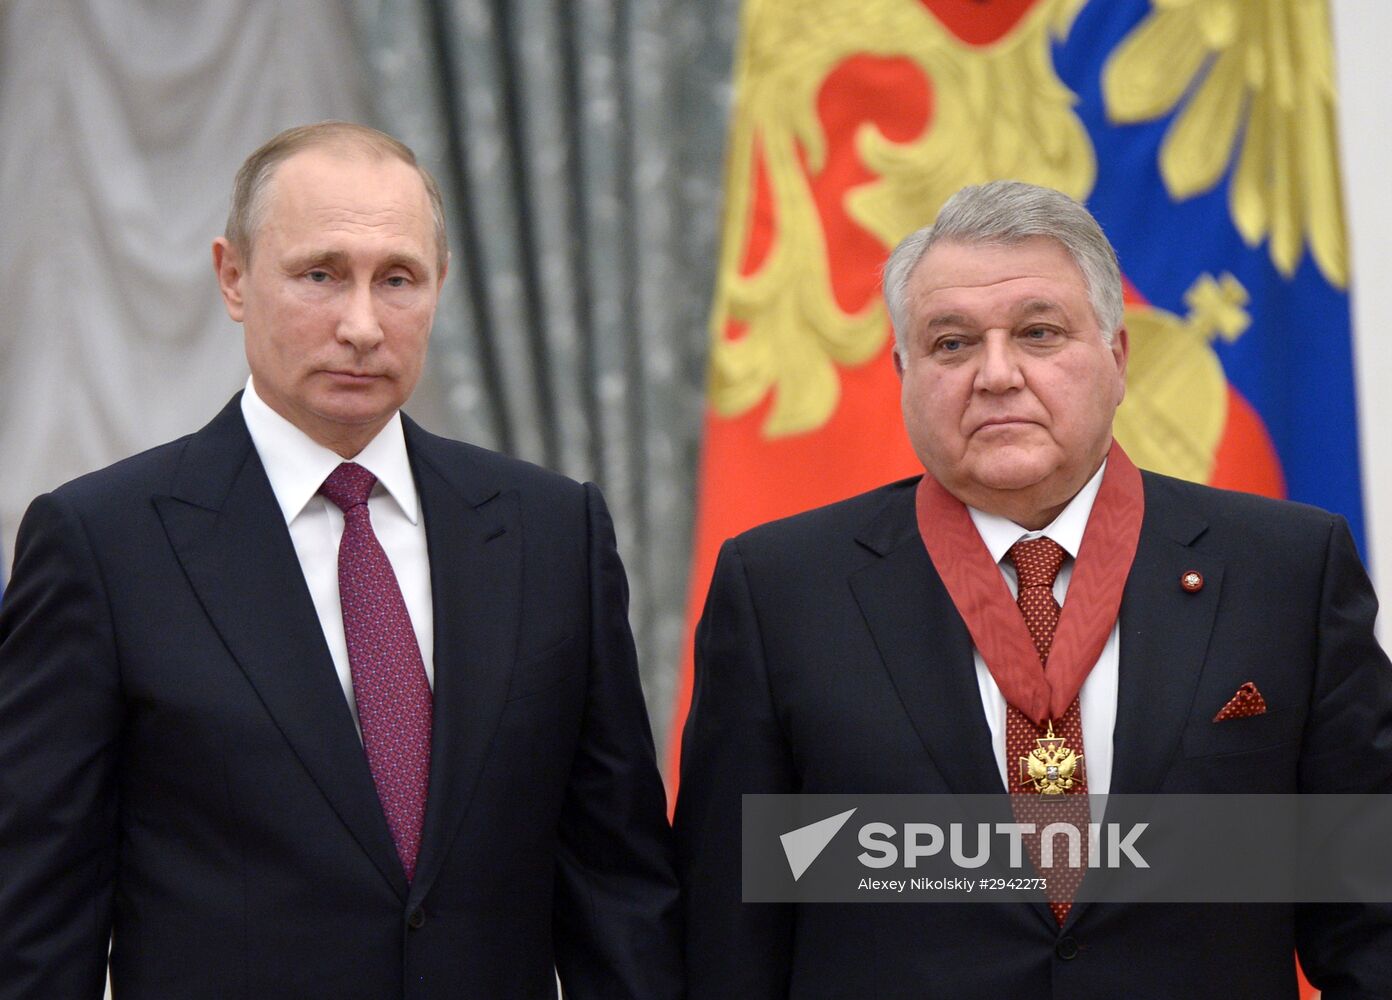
(377, 738)
(1215, 643)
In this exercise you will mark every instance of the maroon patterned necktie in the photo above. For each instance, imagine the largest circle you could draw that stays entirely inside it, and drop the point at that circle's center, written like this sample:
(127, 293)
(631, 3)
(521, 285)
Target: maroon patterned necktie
(1037, 563)
(389, 682)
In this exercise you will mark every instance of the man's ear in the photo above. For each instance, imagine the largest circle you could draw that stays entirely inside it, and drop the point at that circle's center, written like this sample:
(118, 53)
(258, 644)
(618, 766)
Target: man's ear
(444, 270)
(230, 270)
(1121, 350)
(898, 362)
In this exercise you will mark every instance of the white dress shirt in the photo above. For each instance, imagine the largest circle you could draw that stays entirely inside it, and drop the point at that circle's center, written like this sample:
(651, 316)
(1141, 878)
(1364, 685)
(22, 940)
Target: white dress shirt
(1098, 697)
(297, 466)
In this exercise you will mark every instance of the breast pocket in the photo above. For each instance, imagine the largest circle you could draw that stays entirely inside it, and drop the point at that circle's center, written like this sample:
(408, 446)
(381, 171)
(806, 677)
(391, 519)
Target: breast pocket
(1256, 732)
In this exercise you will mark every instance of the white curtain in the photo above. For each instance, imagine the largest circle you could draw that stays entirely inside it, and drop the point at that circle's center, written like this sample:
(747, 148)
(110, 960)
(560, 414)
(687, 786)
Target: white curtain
(122, 123)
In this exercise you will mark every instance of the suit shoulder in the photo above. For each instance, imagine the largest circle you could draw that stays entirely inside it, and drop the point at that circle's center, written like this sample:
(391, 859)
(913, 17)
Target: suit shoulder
(487, 469)
(841, 520)
(1282, 536)
(1233, 506)
(139, 476)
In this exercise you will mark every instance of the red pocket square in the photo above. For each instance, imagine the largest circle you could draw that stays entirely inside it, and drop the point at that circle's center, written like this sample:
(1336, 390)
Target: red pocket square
(1246, 703)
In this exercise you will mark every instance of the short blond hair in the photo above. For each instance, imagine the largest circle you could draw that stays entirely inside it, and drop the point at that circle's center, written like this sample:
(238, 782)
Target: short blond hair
(253, 181)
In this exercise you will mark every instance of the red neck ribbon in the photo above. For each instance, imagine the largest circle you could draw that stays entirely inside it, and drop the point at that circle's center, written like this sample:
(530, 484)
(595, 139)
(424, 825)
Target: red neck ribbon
(974, 582)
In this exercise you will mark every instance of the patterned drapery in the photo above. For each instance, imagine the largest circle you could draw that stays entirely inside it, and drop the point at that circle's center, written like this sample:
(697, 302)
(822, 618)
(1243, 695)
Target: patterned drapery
(579, 145)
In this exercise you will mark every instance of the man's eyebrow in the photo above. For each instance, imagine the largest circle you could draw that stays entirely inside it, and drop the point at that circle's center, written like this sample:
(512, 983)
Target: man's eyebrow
(1036, 307)
(948, 319)
(409, 261)
(337, 258)
(310, 257)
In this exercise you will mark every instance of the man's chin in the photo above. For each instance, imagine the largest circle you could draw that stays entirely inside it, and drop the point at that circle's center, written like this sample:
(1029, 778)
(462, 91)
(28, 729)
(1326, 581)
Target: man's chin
(350, 418)
(346, 416)
(355, 401)
(1013, 474)
(1018, 492)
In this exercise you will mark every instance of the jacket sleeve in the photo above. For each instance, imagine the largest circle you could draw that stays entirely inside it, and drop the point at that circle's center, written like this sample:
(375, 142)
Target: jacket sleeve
(732, 745)
(60, 725)
(1346, 948)
(617, 917)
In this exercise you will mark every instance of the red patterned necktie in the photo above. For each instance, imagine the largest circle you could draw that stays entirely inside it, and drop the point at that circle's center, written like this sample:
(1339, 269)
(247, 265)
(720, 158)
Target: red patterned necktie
(1037, 563)
(389, 682)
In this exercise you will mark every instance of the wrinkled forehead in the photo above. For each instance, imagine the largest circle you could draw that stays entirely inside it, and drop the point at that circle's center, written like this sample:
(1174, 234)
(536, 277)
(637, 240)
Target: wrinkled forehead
(364, 175)
(1032, 277)
(318, 199)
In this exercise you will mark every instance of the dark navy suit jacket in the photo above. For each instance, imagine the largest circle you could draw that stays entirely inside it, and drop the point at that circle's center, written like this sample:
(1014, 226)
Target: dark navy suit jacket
(831, 659)
(179, 768)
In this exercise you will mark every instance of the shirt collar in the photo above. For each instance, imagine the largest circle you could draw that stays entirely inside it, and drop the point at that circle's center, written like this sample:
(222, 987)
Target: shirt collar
(297, 465)
(999, 533)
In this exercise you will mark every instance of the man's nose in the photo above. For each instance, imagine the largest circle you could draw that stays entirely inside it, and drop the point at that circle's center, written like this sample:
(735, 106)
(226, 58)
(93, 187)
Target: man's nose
(999, 370)
(358, 323)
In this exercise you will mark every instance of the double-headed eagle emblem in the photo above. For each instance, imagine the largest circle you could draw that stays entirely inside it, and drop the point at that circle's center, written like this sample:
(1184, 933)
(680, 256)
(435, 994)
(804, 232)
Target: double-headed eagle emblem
(1050, 766)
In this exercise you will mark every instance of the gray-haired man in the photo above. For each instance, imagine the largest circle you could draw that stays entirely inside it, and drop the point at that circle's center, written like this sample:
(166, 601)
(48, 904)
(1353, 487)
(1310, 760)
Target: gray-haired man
(869, 647)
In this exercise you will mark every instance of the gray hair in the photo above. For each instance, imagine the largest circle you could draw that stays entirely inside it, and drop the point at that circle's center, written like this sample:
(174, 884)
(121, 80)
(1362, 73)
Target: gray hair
(1004, 213)
(253, 181)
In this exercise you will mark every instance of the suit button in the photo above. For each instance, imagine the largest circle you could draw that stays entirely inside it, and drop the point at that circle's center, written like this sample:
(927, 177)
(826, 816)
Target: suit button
(416, 920)
(1066, 948)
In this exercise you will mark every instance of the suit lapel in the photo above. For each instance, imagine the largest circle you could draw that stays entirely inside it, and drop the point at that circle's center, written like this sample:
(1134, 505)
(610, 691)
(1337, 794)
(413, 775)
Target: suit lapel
(1164, 636)
(926, 648)
(229, 535)
(474, 536)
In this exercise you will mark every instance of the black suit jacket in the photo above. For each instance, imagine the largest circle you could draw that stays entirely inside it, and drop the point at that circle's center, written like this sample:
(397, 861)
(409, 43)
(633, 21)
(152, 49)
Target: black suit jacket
(830, 659)
(178, 762)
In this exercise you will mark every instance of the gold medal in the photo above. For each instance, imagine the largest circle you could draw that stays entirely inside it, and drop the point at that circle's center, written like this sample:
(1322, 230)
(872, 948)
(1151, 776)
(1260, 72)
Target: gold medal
(1050, 766)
